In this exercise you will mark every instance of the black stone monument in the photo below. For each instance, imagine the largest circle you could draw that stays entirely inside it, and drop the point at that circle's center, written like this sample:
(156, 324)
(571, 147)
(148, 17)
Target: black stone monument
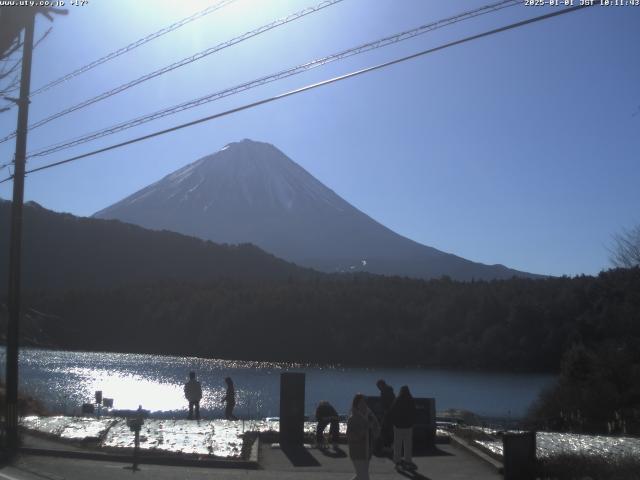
(519, 456)
(292, 408)
(424, 431)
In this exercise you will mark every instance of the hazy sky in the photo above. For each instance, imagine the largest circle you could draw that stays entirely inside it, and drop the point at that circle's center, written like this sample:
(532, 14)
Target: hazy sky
(521, 149)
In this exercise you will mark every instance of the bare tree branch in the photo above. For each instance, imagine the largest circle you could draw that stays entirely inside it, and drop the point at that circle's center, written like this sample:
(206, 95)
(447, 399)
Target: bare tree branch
(44, 35)
(6, 72)
(13, 48)
(14, 84)
(13, 20)
(625, 252)
(11, 85)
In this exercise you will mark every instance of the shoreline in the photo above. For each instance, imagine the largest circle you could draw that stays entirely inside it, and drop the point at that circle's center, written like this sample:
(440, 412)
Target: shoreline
(293, 363)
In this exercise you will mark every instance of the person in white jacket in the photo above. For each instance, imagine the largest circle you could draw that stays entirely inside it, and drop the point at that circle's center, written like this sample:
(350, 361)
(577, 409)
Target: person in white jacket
(362, 430)
(193, 394)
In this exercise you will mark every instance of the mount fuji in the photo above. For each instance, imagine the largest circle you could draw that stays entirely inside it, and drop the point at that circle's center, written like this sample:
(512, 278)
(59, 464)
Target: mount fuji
(251, 192)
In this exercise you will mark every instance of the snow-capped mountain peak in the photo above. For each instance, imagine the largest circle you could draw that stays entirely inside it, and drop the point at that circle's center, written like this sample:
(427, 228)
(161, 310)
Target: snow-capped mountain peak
(251, 192)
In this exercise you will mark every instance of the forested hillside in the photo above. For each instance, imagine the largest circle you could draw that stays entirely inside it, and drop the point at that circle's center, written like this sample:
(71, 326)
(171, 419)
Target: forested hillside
(518, 324)
(62, 251)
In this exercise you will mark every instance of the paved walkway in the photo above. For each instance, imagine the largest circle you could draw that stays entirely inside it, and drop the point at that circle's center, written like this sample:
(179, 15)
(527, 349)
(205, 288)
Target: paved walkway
(447, 462)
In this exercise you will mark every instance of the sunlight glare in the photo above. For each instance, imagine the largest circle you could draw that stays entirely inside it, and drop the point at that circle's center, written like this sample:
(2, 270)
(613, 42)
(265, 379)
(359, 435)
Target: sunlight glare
(130, 391)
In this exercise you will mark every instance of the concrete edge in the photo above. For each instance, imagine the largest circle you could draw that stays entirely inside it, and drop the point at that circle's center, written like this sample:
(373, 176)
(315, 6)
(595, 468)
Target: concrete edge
(254, 456)
(461, 443)
(250, 464)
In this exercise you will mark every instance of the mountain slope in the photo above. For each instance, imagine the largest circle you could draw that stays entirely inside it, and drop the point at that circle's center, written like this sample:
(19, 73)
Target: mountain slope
(251, 192)
(61, 251)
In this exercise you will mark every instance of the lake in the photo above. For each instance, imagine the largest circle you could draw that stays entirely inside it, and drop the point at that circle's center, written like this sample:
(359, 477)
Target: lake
(64, 380)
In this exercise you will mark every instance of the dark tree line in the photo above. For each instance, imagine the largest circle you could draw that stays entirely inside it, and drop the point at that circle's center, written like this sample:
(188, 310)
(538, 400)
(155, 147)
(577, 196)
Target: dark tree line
(598, 390)
(517, 324)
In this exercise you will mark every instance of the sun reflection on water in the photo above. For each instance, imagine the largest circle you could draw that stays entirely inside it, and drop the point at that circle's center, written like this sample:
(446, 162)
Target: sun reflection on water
(130, 390)
(64, 380)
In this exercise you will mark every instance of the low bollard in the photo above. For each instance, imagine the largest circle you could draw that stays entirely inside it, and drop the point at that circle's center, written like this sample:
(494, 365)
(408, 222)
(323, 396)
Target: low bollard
(135, 425)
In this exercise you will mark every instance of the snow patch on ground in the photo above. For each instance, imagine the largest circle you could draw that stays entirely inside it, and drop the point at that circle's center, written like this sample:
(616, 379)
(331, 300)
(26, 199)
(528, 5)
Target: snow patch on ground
(549, 444)
(220, 438)
(69, 428)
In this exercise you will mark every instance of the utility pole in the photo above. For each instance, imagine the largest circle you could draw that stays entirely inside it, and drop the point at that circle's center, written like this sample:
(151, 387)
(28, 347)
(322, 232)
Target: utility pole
(13, 330)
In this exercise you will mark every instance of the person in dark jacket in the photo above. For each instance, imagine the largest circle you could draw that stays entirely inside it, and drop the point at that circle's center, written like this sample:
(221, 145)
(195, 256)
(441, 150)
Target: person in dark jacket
(386, 400)
(386, 395)
(403, 416)
(193, 394)
(327, 415)
(229, 400)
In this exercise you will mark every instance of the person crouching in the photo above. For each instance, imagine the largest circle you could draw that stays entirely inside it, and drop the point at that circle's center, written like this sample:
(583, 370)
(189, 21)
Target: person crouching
(327, 415)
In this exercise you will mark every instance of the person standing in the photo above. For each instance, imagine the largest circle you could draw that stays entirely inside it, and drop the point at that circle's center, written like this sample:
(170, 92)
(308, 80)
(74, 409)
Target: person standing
(386, 400)
(193, 394)
(230, 400)
(386, 395)
(403, 416)
(361, 425)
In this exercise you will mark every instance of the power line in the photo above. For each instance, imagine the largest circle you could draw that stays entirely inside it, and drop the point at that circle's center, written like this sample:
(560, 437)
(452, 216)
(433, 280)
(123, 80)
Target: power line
(273, 77)
(310, 87)
(6, 165)
(131, 46)
(180, 63)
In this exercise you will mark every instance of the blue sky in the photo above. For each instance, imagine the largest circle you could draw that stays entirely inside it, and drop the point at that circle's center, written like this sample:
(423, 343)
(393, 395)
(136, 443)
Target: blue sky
(521, 148)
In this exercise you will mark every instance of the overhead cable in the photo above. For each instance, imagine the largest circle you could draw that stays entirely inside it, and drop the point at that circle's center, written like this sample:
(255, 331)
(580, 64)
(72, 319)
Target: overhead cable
(310, 87)
(131, 46)
(383, 42)
(180, 63)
